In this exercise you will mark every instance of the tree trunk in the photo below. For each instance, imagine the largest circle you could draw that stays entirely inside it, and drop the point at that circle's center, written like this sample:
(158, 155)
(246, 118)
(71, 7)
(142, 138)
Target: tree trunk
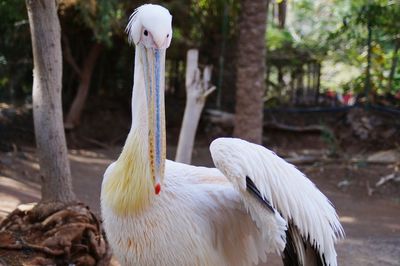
(268, 75)
(308, 89)
(393, 67)
(292, 87)
(46, 97)
(318, 83)
(197, 90)
(281, 82)
(282, 7)
(251, 70)
(367, 88)
(75, 111)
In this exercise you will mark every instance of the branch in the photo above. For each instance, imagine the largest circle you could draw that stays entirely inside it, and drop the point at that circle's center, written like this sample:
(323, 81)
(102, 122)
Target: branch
(206, 82)
(227, 119)
(209, 91)
(96, 142)
(311, 128)
(387, 178)
(68, 56)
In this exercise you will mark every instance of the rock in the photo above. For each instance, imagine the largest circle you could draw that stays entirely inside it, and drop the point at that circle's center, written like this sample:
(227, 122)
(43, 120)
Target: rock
(364, 124)
(388, 156)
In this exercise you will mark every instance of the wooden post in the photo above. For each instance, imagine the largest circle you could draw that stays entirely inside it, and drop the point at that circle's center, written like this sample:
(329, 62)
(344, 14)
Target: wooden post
(197, 90)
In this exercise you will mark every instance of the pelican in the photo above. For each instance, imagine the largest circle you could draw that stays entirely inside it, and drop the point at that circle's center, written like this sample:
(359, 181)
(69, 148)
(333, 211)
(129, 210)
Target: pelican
(159, 212)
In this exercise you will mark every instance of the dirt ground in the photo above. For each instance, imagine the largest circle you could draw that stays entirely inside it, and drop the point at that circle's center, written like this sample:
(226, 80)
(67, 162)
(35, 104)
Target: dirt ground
(370, 216)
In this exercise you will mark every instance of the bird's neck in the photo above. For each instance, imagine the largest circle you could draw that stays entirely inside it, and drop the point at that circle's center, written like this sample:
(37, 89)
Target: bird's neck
(130, 189)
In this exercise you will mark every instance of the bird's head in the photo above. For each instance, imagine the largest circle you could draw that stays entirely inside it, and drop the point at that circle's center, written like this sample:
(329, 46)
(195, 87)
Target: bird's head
(151, 26)
(150, 29)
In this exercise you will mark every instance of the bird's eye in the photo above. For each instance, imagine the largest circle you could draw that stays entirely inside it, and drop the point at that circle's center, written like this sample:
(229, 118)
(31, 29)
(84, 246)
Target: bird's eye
(167, 35)
(145, 33)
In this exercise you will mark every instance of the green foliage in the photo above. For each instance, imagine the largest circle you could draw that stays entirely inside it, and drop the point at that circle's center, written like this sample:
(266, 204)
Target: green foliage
(334, 31)
(212, 21)
(312, 22)
(337, 31)
(15, 52)
(382, 17)
(277, 38)
(102, 18)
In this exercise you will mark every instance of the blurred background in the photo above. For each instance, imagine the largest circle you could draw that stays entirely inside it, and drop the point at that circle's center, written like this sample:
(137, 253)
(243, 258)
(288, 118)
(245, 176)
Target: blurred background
(327, 54)
(331, 103)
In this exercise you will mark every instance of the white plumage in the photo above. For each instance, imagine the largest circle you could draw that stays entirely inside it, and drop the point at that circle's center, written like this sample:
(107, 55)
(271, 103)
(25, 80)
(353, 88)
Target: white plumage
(233, 215)
(198, 219)
(287, 189)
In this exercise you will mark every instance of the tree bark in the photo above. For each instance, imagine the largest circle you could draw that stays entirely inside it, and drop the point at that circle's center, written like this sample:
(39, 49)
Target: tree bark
(197, 90)
(251, 70)
(75, 111)
(46, 97)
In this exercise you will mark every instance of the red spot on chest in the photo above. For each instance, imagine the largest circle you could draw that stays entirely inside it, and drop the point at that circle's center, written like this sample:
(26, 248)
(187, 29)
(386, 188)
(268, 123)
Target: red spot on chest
(157, 188)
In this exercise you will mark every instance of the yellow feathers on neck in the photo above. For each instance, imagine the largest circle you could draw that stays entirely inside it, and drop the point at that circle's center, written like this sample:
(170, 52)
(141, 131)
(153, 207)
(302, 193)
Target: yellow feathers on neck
(128, 188)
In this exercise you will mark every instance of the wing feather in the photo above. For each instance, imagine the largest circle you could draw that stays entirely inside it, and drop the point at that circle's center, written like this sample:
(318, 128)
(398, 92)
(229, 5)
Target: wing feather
(254, 190)
(284, 187)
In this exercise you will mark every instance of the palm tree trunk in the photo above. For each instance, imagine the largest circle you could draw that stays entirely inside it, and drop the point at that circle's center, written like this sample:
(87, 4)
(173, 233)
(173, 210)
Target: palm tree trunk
(251, 70)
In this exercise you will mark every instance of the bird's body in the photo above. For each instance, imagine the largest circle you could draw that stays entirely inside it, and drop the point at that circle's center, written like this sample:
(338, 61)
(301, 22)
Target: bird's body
(202, 219)
(251, 204)
(196, 219)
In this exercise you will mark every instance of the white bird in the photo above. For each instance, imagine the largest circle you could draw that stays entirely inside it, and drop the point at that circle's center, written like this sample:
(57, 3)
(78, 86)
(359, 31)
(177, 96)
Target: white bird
(253, 203)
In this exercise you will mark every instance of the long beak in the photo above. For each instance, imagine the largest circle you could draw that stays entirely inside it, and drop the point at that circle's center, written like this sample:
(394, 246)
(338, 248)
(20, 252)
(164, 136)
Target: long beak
(153, 61)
